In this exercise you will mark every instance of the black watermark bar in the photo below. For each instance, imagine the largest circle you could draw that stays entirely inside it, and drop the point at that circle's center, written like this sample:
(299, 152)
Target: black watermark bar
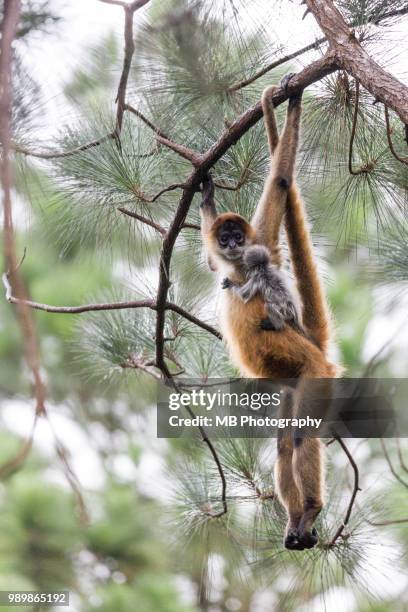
(34, 599)
(261, 408)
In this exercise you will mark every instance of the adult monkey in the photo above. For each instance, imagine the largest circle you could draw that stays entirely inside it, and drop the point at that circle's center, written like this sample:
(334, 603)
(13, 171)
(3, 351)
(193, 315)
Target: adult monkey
(287, 353)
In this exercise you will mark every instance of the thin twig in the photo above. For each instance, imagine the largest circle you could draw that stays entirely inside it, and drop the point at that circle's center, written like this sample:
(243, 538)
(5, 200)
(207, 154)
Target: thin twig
(400, 456)
(127, 62)
(276, 63)
(191, 226)
(137, 364)
(145, 120)
(162, 138)
(389, 522)
(353, 133)
(161, 230)
(220, 469)
(107, 306)
(403, 160)
(149, 200)
(390, 465)
(57, 154)
(10, 467)
(356, 489)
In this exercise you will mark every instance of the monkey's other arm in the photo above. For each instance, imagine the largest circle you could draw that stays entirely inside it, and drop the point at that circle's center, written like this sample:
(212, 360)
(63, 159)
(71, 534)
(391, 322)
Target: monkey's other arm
(208, 214)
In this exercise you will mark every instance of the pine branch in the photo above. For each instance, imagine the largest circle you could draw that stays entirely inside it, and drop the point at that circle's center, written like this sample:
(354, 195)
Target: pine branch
(356, 60)
(55, 154)
(310, 47)
(160, 229)
(127, 60)
(161, 137)
(106, 306)
(356, 489)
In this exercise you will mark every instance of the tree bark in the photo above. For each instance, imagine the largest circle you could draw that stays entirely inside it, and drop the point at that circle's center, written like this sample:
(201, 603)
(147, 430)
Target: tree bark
(354, 58)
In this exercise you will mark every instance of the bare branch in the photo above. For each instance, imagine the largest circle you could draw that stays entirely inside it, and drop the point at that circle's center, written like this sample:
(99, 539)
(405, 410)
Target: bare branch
(152, 199)
(106, 306)
(182, 150)
(145, 120)
(56, 154)
(356, 489)
(144, 220)
(276, 64)
(127, 62)
(191, 226)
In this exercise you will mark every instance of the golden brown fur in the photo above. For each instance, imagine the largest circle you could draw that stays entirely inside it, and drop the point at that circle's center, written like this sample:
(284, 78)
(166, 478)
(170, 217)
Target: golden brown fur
(286, 353)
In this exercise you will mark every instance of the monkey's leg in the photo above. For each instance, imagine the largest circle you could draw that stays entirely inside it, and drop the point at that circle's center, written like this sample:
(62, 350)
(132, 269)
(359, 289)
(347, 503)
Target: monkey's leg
(286, 488)
(308, 456)
(288, 493)
(308, 470)
(314, 306)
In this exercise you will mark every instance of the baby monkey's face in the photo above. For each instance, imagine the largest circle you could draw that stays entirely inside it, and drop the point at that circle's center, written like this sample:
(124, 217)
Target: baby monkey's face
(231, 239)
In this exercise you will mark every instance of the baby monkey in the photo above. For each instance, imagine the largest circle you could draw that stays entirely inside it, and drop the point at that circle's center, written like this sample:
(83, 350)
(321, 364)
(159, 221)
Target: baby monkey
(266, 280)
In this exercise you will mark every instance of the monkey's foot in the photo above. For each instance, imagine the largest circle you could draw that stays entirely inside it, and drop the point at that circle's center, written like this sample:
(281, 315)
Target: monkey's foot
(207, 191)
(309, 539)
(292, 540)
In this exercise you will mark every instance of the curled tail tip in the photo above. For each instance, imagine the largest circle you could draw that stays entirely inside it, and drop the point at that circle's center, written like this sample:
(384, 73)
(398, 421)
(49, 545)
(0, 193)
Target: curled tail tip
(256, 255)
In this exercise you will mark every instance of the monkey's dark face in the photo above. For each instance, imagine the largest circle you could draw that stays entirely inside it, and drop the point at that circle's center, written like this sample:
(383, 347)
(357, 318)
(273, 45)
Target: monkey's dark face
(231, 239)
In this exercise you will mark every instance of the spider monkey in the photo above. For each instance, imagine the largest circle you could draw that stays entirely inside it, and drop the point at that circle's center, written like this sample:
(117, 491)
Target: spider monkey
(286, 352)
(265, 279)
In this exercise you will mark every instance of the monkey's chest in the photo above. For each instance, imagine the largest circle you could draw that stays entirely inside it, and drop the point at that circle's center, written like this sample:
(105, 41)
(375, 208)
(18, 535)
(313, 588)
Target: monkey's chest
(240, 323)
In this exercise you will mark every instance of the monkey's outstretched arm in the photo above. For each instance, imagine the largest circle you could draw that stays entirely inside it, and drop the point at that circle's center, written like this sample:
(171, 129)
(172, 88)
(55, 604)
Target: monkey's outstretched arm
(272, 205)
(208, 214)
